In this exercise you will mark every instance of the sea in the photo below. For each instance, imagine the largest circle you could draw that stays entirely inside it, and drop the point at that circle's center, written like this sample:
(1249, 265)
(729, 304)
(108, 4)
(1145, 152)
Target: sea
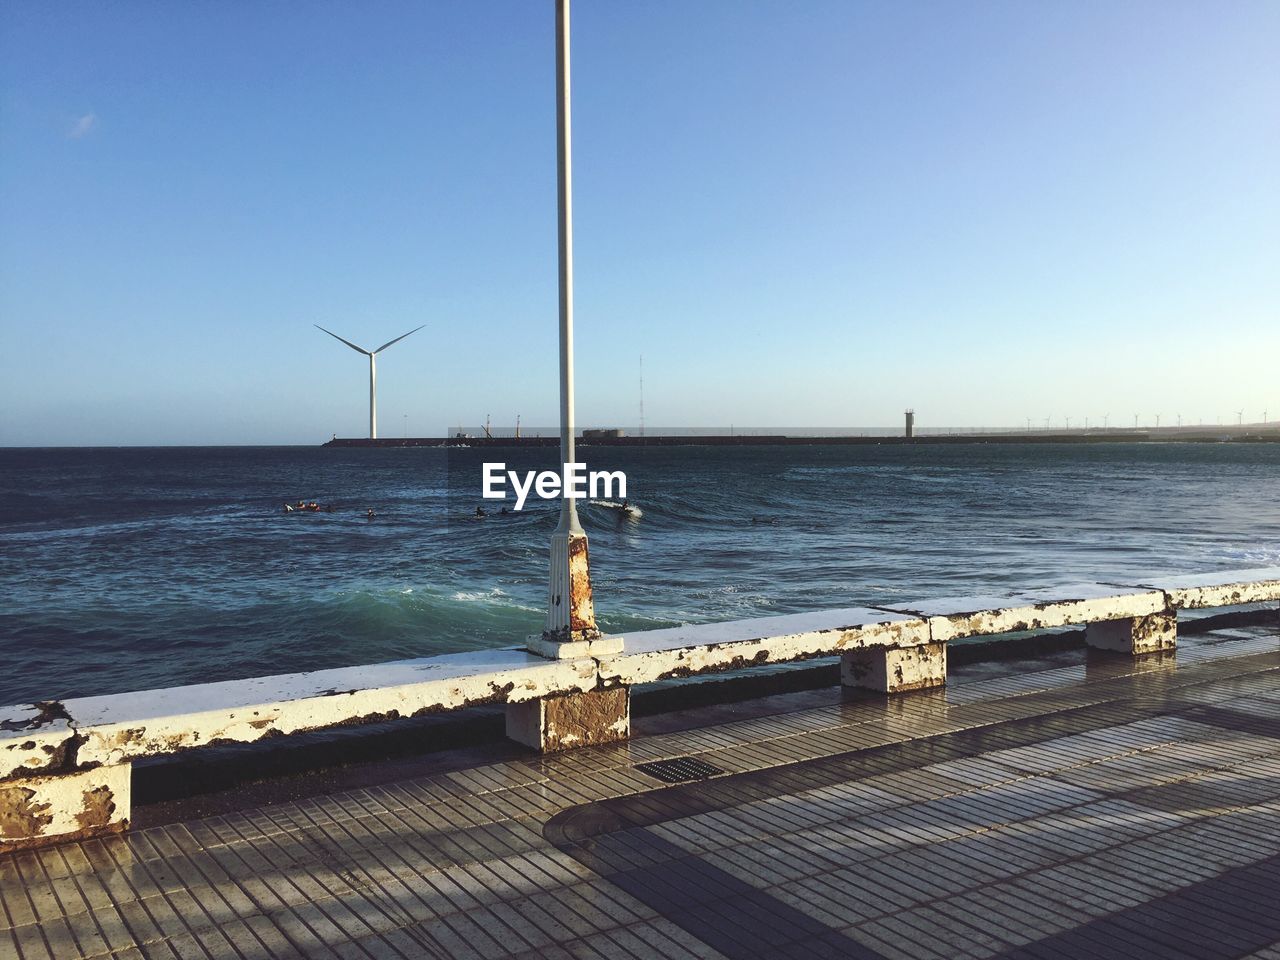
(133, 568)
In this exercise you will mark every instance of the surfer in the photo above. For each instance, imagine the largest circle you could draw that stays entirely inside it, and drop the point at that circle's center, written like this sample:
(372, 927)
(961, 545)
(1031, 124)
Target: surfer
(480, 512)
(369, 514)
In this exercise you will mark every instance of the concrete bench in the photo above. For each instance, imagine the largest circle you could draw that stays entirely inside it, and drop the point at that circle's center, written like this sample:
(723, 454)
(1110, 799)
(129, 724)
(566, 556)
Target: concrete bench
(65, 765)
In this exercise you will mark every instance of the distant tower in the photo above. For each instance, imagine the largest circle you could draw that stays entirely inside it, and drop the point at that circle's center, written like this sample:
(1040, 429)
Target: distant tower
(911, 424)
(642, 394)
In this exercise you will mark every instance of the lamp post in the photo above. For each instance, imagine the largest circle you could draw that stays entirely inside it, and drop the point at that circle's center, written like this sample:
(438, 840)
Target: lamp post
(571, 621)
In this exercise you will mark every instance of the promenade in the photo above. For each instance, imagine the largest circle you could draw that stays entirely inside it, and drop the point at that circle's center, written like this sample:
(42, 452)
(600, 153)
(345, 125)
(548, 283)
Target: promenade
(1072, 806)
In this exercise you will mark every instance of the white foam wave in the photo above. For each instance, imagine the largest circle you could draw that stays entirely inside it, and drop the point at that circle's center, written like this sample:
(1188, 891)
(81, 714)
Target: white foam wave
(631, 509)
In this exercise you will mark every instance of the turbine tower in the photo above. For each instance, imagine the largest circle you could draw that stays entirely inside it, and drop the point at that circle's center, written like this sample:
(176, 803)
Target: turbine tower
(373, 373)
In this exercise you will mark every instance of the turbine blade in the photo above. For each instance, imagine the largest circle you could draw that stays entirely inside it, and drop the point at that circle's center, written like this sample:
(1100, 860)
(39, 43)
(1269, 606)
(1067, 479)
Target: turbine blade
(347, 342)
(398, 339)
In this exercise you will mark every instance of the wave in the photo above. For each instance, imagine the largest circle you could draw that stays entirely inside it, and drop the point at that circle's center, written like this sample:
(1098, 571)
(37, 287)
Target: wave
(631, 509)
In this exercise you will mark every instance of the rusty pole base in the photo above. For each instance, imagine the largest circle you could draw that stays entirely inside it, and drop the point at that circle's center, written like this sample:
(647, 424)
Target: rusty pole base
(571, 617)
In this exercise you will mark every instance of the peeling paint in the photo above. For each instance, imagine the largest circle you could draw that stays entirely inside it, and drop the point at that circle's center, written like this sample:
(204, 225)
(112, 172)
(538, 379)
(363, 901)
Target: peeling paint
(22, 814)
(99, 805)
(69, 805)
(582, 614)
(121, 727)
(42, 713)
(957, 617)
(711, 648)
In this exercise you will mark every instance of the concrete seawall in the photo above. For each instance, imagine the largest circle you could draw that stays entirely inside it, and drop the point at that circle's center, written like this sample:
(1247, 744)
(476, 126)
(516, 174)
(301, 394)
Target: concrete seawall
(65, 765)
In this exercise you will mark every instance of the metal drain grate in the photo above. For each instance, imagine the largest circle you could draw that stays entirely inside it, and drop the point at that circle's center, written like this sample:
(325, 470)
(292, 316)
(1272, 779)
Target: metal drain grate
(679, 770)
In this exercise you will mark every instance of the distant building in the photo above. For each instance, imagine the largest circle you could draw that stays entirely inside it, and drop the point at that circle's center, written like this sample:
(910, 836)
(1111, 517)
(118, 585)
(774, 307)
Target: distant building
(609, 434)
(911, 423)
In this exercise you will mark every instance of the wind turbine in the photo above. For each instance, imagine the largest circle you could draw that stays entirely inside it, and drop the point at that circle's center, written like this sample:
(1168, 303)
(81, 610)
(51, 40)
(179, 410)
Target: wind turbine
(373, 373)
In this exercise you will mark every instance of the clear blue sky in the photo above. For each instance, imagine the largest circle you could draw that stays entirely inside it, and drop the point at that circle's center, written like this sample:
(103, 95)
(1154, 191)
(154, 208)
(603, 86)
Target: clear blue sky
(810, 213)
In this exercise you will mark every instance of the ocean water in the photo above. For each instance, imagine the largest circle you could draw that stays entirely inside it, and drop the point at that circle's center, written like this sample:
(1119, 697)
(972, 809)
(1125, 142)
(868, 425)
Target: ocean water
(124, 569)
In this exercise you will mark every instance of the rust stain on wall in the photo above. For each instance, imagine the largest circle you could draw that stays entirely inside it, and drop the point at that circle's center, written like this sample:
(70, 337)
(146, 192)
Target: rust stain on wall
(99, 805)
(20, 815)
(582, 612)
(579, 719)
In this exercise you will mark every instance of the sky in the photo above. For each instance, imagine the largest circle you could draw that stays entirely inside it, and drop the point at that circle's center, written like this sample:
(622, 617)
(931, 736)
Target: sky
(811, 214)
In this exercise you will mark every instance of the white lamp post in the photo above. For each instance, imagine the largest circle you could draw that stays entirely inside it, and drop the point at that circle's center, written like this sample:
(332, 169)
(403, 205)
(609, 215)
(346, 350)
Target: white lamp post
(571, 621)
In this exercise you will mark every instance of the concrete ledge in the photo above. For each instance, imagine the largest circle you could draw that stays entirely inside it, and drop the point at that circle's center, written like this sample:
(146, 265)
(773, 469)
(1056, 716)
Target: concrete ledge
(953, 618)
(1199, 591)
(704, 648)
(51, 737)
(73, 734)
(64, 765)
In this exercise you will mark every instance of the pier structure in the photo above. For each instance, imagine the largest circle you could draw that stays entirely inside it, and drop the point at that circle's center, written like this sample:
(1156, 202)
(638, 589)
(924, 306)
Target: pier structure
(65, 765)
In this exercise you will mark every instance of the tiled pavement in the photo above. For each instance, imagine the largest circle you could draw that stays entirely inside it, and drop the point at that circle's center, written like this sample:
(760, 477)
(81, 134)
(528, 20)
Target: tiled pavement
(1103, 809)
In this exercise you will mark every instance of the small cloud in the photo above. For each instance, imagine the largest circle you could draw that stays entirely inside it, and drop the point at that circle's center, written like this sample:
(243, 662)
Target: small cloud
(82, 127)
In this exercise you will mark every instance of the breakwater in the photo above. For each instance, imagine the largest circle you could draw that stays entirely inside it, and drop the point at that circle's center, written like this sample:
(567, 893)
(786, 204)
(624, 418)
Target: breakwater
(1219, 435)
